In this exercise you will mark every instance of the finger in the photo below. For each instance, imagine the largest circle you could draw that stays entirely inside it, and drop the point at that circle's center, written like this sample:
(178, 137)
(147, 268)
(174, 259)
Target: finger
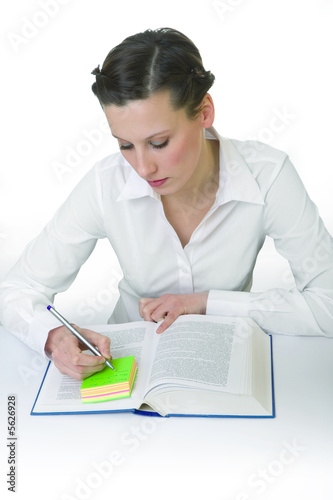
(160, 312)
(78, 372)
(169, 319)
(98, 340)
(87, 359)
(70, 354)
(146, 307)
(143, 302)
(162, 307)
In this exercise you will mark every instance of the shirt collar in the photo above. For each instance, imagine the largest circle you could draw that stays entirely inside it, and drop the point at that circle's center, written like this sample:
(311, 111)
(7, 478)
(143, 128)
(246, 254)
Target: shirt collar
(136, 187)
(236, 180)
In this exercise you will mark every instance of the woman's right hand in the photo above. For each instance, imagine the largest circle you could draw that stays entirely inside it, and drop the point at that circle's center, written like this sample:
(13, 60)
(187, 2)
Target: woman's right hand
(65, 350)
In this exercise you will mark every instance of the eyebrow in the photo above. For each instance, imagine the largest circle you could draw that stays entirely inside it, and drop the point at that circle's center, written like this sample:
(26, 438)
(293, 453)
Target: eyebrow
(147, 138)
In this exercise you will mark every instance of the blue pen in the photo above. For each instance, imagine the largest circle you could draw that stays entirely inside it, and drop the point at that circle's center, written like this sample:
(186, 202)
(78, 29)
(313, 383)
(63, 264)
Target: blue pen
(78, 335)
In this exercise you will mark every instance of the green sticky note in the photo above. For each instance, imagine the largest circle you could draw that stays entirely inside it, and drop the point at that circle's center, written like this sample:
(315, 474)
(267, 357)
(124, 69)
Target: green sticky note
(109, 384)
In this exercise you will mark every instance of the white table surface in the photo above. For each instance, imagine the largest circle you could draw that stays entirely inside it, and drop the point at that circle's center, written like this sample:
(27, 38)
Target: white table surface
(113, 456)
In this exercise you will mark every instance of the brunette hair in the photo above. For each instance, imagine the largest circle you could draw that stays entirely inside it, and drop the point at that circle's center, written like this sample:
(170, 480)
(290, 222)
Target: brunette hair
(153, 61)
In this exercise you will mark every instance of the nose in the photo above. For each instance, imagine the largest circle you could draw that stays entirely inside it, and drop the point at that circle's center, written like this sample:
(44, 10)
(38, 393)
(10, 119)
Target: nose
(145, 165)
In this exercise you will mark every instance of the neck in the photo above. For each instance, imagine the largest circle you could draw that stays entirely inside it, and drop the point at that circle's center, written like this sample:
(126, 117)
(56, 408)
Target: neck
(202, 187)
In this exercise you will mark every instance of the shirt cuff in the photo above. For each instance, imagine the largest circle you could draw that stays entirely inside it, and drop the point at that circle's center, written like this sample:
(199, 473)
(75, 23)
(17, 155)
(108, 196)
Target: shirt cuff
(39, 329)
(228, 303)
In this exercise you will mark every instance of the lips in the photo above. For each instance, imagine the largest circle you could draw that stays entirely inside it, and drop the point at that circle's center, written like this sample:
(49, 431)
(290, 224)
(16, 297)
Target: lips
(157, 183)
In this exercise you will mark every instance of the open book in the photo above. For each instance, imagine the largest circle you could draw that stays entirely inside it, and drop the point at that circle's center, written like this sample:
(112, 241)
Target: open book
(200, 366)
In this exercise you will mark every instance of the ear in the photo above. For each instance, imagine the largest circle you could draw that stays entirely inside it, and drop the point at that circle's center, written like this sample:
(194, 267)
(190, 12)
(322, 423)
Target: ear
(207, 111)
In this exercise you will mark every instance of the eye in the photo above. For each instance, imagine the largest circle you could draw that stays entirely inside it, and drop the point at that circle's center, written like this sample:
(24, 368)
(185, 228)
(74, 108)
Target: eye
(125, 147)
(157, 145)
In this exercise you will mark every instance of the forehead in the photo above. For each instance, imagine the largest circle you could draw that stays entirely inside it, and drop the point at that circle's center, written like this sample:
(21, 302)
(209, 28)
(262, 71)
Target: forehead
(144, 117)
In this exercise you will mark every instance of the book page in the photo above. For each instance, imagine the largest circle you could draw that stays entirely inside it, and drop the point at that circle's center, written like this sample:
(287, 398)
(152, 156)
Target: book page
(61, 391)
(194, 351)
(203, 366)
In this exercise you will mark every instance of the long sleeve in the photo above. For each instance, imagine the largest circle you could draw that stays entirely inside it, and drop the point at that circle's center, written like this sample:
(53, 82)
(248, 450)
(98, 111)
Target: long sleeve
(292, 220)
(50, 263)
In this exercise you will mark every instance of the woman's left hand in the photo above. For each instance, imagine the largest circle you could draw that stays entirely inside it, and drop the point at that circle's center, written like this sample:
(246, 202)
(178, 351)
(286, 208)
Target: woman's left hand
(169, 306)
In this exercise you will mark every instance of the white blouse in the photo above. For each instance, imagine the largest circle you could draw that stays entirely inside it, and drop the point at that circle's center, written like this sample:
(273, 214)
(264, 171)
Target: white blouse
(259, 195)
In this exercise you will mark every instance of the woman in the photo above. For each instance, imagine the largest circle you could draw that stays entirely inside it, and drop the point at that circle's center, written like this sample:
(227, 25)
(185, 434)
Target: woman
(185, 210)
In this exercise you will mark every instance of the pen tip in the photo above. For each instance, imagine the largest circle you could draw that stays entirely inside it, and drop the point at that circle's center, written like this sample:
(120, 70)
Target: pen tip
(48, 307)
(107, 362)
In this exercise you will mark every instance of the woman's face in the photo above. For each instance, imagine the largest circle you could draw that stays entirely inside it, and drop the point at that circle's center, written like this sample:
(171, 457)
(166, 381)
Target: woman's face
(163, 146)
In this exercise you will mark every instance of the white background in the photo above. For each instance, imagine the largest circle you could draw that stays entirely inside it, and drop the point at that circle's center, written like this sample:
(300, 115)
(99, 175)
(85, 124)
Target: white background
(267, 56)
